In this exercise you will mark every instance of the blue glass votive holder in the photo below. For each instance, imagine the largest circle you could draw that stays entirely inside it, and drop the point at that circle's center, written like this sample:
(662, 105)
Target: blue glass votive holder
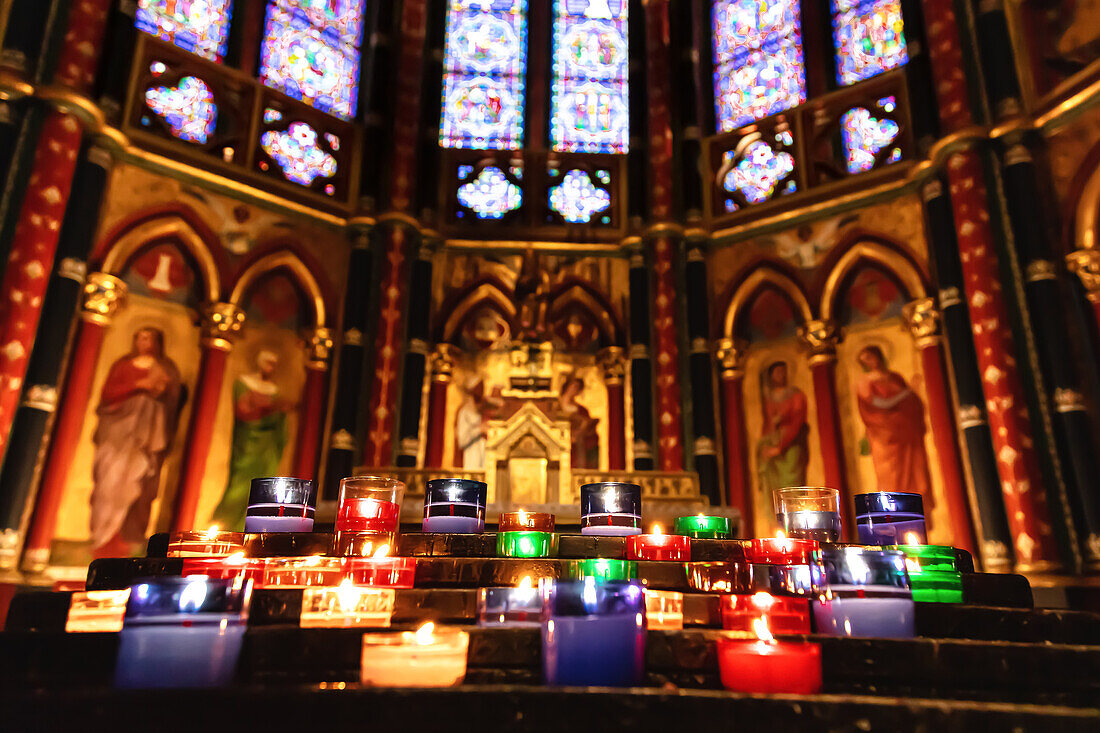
(890, 518)
(611, 508)
(182, 632)
(455, 505)
(593, 633)
(280, 504)
(861, 592)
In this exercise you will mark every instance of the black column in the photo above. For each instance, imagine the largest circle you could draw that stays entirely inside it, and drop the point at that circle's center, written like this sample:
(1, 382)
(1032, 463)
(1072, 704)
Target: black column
(40, 388)
(998, 65)
(641, 367)
(25, 35)
(702, 380)
(1074, 439)
(416, 358)
(118, 57)
(997, 553)
(346, 431)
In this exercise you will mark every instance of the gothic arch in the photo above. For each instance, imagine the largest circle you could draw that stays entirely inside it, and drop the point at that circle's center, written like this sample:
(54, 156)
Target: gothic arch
(890, 260)
(763, 276)
(487, 293)
(288, 260)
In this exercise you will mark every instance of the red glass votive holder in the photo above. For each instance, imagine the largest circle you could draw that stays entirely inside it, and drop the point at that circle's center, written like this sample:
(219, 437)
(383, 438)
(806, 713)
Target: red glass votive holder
(234, 566)
(769, 667)
(369, 514)
(522, 521)
(664, 547)
(780, 551)
(382, 572)
(783, 614)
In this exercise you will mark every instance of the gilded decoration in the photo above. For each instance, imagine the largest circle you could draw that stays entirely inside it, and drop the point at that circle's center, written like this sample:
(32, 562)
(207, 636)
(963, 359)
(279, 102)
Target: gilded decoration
(1085, 263)
(443, 362)
(222, 325)
(820, 337)
(923, 321)
(319, 343)
(613, 364)
(1039, 270)
(103, 296)
(731, 357)
(41, 397)
(1068, 400)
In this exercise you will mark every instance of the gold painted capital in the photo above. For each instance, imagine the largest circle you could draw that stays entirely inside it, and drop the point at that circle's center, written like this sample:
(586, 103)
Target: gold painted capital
(319, 342)
(1085, 263)
(1068, 400)
(612, 361)
(443, 362)
(730, 354)
(221, 325)
(923, 321)
(103, 296)
(1037, 270)
(820, 337)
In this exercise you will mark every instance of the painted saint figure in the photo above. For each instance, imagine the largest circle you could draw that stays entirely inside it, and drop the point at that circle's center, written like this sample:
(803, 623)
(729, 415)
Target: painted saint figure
(893, 415)
(470, 428)
(259, 437)
(138, 414)
(782, 452)
(584, 451)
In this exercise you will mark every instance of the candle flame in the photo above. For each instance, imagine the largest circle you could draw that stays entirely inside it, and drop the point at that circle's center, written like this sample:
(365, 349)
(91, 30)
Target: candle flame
(762, 600)
(912, 538)
(424, 633)
(760, 627)
(382, 551)
(237, 558)
(347, 595)
(912, 566)
(526, 583)
(522, 518)
(313, 560)
(212, 532)
(780, 534)
(700, 515)
(656, 529)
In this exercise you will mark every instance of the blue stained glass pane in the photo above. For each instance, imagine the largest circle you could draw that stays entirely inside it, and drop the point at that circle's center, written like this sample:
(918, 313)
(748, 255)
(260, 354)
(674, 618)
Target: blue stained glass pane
(198, 26)
(297, 153)
(484, 65)
(491, 195)
(311, 52)
(590, 90)
(758, 172)
(188, 108)
(869, 38)
(758, 60)
(577, 199)
(864, 135)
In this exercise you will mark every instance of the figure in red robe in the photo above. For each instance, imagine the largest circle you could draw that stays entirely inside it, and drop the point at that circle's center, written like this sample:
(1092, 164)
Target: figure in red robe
(138, 414)
(893, 415)
(782, 453)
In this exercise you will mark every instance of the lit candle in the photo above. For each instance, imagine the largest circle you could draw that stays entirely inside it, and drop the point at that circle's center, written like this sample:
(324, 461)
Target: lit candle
(526, 544)
(510, 607)
(766, 666)
(280, 504)
(346, 606)
(719, 577)
(210, 542)
(455, 505)
(809, 513)
(235, 565)
(603, 568)
(664, 609)
(369, 514)
(521, 521)
(783, 614)
(703, 527)
(382, 571)
(611, 508)
(429, 657)
(658, 546)
(301, 572)
(886, 517)
(780, 550)
(182, 632)
(861, 592)
(593, 633)
(933, 571)
(97, 610)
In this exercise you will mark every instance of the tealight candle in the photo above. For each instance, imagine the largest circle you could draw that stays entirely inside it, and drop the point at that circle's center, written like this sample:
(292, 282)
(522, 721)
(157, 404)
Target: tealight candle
(382, 571)
(603, 568)
(97, 610)
(766, 666)
(593, 633)
(658, 546)
(280, 504)
(510, 607)
(809, 513)
(780, 550)
(182, 632)
(719, 577)
(455, 505)
(205, 543)
(521, 521)
(611, 508)
(888, 517)
(369, 514)
(933, 571)
(429, 657)
(861, 592)
(526, 544)
(346, 606)
(664, 609)
(235, 565)
(301, 572)
(703, 527)
(783, 614)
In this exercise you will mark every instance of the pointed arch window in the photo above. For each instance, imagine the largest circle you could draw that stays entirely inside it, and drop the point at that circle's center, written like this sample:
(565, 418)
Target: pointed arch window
(198, 26)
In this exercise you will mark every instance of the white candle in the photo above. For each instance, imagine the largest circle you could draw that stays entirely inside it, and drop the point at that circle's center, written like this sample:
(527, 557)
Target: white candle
(429, 657)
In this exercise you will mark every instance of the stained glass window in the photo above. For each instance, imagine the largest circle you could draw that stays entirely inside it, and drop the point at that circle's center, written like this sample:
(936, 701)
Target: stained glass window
(577, 199)
(484, 71)
(590, 87)
(311, 52)
(758, 172)
(297, 153)
(199, 26)
(188, 108)
(869, 38)
(491, 195)
(758, 67)
(864, 135)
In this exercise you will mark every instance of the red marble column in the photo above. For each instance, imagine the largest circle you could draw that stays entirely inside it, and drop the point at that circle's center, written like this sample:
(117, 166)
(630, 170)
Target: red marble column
(612, 361)
(442, 364)
(222, 324)
(731, 368)
(312, 414)
(1009, 422)
(923, 321)
(36, 232)
(103, 294)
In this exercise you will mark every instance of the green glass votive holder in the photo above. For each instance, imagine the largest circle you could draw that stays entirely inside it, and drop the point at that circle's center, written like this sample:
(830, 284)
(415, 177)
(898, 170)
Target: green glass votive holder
(933, 574)
(703, 528)
(604, 569)
(527, 544)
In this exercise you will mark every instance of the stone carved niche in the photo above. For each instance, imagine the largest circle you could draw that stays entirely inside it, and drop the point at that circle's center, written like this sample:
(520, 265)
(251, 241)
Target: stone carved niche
(527, 459)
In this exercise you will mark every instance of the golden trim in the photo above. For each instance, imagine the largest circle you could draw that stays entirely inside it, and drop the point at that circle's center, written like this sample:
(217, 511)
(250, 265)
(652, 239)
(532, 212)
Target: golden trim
(169, 226)
(663, 228)
(398, 217)
(1086, 214)
(473, 298)
(889, 259)
(290, 261)
(104, 294)
(518, 246)
(748, 288)
(361, 222)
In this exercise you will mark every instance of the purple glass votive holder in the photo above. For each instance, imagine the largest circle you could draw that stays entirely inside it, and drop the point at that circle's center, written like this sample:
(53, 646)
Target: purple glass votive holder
(862, 592)
(280, 504)
(611, 509)
(455, 505)
(182, 632)
(593, 633)
(890, 518)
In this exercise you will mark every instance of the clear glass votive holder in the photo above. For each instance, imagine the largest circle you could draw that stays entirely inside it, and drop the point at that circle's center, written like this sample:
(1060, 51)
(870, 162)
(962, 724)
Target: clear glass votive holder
(454, 505)
(280, 504)
(890, 518)
(783, 614)
(96, 611)
(346, 606)
(809, 513)
(611, 508)
(719, 577)
(369, 514)
(232, 566)
(183, 631)
(302, 572)
(593, 633)
(511, 607)
(205, 543)
(862, 592)
(664, 610)
(415, 659)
